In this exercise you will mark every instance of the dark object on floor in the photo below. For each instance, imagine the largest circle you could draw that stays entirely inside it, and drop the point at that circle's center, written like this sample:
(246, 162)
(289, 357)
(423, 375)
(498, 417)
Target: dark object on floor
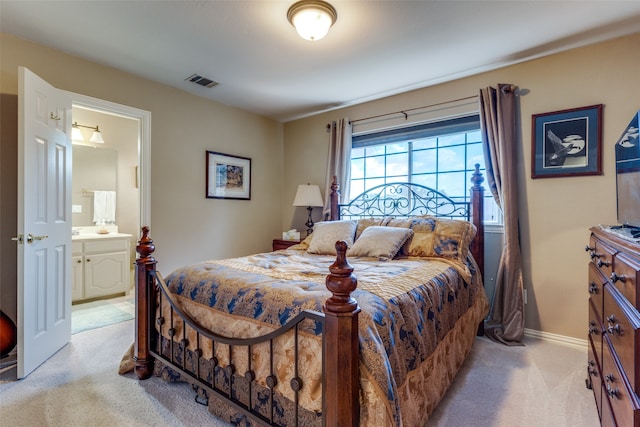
(8, 334)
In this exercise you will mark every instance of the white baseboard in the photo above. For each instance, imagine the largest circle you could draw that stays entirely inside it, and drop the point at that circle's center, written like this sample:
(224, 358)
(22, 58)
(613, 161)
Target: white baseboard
(560, 339)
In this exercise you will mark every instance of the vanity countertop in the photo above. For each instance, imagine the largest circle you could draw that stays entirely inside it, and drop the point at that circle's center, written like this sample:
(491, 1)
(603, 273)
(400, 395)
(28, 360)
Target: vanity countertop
(96, 236)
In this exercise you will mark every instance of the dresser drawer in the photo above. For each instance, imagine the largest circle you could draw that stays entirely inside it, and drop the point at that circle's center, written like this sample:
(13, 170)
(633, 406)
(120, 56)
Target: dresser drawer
(594, 376)
(596, 287)
(595, 330)
(625, 277)
(624, 402)
(602, 255)
(606, 417)
(622, 328)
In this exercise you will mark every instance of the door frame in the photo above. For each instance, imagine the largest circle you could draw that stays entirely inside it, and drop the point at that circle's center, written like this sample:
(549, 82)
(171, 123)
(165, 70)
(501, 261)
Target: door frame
(144, 143)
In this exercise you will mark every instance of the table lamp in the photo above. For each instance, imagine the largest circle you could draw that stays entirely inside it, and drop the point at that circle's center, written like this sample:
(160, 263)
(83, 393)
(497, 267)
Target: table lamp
(308, 195)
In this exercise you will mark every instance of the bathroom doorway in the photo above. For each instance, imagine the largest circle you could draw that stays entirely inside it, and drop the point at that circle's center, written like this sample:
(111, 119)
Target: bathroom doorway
(118, 165)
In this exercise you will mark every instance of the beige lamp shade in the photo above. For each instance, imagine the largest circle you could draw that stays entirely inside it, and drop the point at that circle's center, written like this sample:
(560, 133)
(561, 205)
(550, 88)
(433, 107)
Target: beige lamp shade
(308, 195)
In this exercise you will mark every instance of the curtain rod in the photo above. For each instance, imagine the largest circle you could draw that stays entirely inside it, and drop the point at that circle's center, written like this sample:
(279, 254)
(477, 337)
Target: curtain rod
(404, 112)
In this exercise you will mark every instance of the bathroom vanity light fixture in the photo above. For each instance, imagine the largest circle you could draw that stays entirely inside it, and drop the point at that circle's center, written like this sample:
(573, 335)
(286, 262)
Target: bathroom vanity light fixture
(76, 135)
(312, 18)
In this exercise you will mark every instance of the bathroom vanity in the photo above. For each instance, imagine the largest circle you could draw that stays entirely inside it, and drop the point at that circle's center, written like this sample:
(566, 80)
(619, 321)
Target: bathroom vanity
(101, 265)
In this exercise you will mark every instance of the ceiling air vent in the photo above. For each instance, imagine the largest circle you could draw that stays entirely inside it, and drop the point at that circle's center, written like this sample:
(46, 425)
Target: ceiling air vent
(202, 81)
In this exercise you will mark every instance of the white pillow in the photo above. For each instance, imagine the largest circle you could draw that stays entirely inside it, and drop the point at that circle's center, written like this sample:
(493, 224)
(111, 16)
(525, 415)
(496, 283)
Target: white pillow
(380, 242)
(326, 234)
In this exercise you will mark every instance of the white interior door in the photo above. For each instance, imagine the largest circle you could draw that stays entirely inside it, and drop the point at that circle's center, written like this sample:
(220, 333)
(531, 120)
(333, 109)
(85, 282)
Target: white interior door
(44, 221)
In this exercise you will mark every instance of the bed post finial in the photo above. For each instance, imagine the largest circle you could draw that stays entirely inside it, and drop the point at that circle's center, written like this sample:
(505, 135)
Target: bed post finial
(145, 245)
(476, 178)
(145, 297)
(341, 282)
(341, 345)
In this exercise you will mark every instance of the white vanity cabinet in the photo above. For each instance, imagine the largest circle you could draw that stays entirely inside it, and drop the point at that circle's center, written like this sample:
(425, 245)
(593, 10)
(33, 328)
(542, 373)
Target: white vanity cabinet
(100, 265)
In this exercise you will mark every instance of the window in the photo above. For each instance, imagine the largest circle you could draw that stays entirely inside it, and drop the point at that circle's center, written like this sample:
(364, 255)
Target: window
(439, 155)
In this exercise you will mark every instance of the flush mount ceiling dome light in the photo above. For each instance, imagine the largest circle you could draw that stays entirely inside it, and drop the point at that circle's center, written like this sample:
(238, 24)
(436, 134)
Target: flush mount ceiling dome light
(312, 18)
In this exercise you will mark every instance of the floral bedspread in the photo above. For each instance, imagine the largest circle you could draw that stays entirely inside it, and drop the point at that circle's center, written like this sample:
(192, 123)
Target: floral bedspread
(408, 307)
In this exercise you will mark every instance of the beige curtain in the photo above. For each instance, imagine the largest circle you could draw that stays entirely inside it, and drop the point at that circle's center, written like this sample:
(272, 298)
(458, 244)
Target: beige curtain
(505, 323)
(338, 162)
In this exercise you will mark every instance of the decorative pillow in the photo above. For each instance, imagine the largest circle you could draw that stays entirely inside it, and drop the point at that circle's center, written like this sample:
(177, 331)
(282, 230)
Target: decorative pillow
(367, 222)
(441, 237)
(304, 244)
(380, 242)
(326, 234)
(402, 222)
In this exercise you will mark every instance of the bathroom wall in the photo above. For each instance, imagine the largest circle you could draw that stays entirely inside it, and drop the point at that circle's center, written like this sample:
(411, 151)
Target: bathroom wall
(120, 136)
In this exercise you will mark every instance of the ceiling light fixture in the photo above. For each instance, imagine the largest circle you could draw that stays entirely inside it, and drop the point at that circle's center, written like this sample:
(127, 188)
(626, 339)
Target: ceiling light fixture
(312, 18)
(76, 135)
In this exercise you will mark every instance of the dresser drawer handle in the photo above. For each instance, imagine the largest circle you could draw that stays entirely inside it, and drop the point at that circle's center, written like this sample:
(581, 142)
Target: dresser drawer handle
(593, 288)
(591, 368)
(592, 328)
(602, 263)
(615, 277)
(613, 328)
(613, 392)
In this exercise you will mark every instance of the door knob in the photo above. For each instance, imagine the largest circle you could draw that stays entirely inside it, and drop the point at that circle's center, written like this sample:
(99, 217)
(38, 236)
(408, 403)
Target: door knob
(18, 239)
(31, 238)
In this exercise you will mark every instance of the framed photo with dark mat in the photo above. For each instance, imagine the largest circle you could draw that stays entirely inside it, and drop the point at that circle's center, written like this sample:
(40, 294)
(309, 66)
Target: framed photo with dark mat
(567, 143)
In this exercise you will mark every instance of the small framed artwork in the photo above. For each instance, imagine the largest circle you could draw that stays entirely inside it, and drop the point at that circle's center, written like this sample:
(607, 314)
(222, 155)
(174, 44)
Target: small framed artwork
(228, 177)
(567, 143)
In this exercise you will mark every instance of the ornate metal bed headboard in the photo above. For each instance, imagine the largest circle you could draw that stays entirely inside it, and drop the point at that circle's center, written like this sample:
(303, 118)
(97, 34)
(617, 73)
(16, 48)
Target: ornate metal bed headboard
(402, 199)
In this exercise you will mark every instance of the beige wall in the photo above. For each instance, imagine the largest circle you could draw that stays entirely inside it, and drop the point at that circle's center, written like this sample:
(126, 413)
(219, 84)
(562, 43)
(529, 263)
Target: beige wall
(555, 213)
(185, 225)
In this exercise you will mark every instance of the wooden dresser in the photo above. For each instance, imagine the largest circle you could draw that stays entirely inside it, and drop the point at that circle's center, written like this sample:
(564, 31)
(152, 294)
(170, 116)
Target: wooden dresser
(614, 328)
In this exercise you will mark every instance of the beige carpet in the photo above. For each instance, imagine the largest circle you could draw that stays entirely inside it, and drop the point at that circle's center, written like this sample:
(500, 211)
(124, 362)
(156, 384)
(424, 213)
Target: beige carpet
(541, 384)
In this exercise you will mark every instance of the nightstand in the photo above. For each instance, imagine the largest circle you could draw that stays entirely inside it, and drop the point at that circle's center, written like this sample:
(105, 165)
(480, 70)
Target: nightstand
(279, 244)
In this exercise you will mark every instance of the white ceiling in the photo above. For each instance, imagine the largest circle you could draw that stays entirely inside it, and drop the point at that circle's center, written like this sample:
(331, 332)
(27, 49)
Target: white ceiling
(375, 49)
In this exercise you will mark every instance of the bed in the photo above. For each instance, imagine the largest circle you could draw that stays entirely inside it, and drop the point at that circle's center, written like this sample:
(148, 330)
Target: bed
(305, 336)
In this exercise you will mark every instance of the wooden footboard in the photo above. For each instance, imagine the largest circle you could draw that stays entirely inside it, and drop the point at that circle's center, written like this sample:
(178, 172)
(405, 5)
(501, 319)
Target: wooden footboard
(340, 387)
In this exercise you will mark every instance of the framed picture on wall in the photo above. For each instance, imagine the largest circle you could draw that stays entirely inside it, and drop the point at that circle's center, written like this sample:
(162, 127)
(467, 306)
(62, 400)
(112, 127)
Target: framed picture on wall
(567, 143)
(228, 177)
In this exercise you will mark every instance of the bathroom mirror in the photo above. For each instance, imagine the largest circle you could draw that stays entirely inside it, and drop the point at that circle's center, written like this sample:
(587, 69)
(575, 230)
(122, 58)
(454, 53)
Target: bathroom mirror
(94, 169)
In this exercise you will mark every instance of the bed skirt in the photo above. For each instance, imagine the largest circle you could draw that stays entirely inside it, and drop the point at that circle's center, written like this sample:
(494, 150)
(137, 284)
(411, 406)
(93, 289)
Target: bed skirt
(419, 395)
